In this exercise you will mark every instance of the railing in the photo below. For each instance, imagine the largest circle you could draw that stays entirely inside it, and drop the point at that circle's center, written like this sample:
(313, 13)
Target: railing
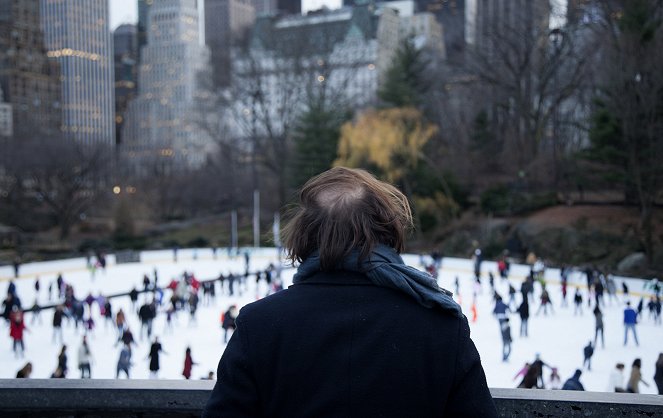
(175, 398)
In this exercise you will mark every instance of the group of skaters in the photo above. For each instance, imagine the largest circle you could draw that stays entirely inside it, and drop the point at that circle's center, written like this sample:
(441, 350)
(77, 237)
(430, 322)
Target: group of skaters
(601, 292)
(78, 313)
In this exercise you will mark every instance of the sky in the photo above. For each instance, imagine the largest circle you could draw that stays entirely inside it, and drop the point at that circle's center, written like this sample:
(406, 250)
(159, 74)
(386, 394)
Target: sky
(126, 11)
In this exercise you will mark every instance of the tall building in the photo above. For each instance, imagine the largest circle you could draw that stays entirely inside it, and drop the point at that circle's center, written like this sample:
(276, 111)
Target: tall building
(143, 13)
(272, 7)
(162, 126)
(448, 13)
(6, 118)
(77, 35)
(227, 23)
(125, 58)
(29, 80)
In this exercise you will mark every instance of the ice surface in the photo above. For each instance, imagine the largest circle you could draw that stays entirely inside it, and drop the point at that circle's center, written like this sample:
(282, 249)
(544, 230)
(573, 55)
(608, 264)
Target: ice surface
(558, 338)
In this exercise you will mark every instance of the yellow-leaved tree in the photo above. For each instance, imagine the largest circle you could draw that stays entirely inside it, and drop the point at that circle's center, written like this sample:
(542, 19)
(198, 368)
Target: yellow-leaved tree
(390, 141)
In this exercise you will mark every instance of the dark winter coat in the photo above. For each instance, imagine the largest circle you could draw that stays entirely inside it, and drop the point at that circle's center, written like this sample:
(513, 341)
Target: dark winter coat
(523, 310)
(588, 351)
(154, 356)
(338, 345)
(573, 383)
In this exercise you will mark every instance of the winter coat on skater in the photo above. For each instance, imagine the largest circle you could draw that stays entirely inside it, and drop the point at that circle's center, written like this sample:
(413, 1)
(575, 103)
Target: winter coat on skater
(188, 364)
(155, 350)
(658, 376)
(633, 385)
(573, 383)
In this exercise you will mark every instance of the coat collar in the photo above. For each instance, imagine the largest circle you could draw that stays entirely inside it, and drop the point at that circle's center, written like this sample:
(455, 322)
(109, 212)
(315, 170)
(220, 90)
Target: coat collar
(338, 277)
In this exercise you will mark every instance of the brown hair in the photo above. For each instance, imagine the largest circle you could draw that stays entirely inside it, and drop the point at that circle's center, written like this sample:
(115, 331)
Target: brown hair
(344, 209)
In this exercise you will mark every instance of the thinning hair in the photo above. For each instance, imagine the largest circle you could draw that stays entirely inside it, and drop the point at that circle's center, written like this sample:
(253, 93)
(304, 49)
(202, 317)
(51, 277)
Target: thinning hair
(345, 209)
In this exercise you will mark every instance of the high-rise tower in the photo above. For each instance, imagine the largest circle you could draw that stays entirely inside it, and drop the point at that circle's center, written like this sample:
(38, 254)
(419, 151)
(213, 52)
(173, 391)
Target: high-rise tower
(29, 80)
(77, 35)
(161, 122)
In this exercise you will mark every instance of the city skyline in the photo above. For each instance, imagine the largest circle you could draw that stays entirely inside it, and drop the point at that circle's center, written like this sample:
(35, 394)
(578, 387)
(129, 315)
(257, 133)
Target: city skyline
(126, 11)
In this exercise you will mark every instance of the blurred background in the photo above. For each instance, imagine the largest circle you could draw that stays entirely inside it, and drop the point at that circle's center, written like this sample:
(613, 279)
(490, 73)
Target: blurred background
(525, 125)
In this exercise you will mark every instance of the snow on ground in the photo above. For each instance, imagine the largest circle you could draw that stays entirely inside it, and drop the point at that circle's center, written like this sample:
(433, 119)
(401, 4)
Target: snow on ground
(559, 338)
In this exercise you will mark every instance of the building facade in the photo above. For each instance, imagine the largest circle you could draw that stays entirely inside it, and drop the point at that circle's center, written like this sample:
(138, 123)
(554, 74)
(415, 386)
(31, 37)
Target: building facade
(125, 59)
(6, 117)
(161, 126)
(29, 79)
(77, 36)
(227, 23)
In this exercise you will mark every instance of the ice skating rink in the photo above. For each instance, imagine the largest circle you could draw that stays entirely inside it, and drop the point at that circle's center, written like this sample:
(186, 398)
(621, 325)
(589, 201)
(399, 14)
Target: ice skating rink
(558, 338)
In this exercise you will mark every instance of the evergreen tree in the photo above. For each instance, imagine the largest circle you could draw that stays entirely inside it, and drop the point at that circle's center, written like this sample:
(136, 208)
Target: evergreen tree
(405, 83)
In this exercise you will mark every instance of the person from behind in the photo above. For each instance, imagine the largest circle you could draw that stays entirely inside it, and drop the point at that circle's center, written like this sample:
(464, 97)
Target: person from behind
(633, 385)
(630, 319)
(353, 334)
(616, 380)
(25, 371)
(573, 383)
(658, 375)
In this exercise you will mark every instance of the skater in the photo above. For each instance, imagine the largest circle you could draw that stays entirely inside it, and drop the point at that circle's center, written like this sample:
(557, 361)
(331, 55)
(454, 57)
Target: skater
(588, 351)
(188, 364)
(128, 337)
(36, 313)
(512, 297)
(500, 310)
(120, 321)
(506, 339)
(523, 310)
(598, 315)
(545, 302)
(108, 314)
(658, 376)
(146, 314)
(228, 322)
(155, 349)
(522, 371)
(57, 323)
(84, 359)
(573, 383)
(62, 361)
(16, 329)
(25, 371)
(133, 296)
(577, 300)
(124, 362)
(630, 320)
(633, 385)
(555, 381)
(616, 380)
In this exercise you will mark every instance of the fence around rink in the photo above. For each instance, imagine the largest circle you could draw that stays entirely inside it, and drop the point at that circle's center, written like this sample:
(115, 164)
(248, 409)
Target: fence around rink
(179, 398)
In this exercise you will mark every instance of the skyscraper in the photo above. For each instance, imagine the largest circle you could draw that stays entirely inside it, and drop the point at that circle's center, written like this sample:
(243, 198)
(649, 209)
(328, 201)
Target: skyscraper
(226, 23)
(271, 7)
(29, 80)
(77, 35)
(6, 119)
(161, 123)
(143, 13)
(125, 58)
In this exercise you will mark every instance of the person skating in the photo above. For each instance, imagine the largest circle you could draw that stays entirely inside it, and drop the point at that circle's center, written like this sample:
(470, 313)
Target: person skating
(62, 361)
(84, 359)
(555, 381)
(57, 323)
(133, 296)
(145, 316)
(128, 337)
(523, 311)
(577, 300)
(228, 322)
(120, 322)
(25, 371)
(155, 349)
(506, 339)
(545, 303)
(124, 362)
(630, 320)
(188, 364)
(658, 376)
(616, 379)
(16, 329)
(573, 383)
(588, 352)
(633, 385)
(598, 329)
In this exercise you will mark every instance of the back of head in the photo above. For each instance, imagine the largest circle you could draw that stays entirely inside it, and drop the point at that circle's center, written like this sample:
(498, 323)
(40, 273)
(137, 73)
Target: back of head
(345, 209)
